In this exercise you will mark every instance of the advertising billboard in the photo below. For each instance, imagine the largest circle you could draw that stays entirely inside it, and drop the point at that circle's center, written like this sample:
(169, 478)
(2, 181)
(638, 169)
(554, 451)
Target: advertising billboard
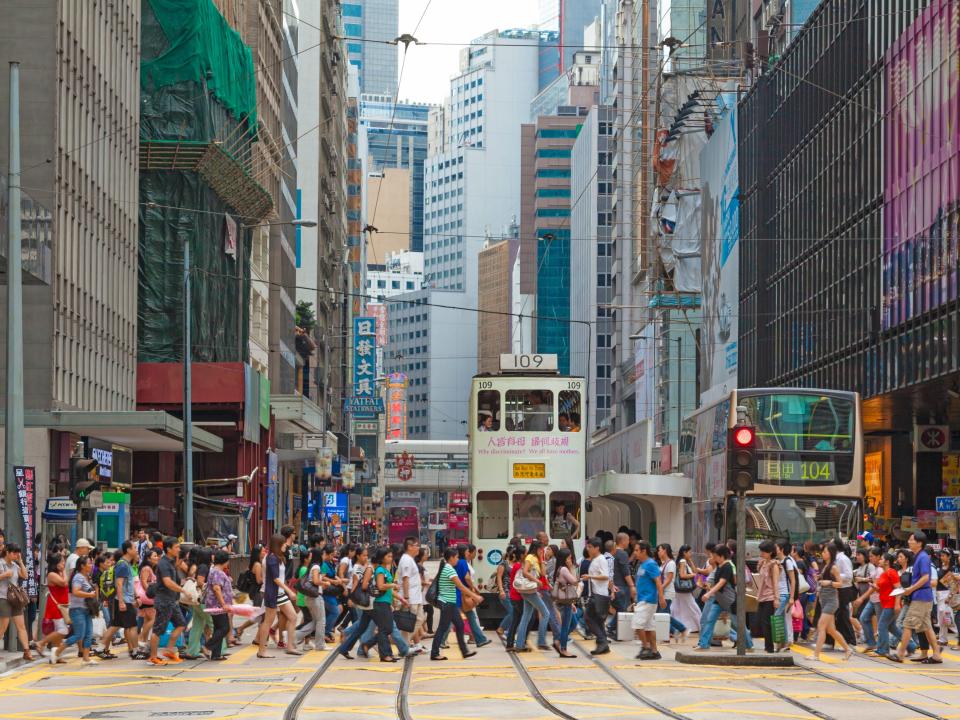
(397, 406)
(364, 362)
(720, 215)
(921, 217)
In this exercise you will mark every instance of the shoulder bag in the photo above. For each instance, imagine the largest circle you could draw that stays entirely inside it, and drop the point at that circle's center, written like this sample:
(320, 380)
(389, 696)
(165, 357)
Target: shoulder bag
(524, 585)
(363, 599)
(17, 597)
(432, 596)
(564, 593)
(682, 584)
(306, 587)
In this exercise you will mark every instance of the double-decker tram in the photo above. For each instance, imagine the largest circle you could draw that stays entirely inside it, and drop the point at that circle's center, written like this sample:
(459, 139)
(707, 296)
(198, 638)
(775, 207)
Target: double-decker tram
(810, 467)
(527, 462)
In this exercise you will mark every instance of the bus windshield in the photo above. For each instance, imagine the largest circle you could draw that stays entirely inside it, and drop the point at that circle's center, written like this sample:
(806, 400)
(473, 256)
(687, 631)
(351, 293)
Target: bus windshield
(802, 423)
(796, 519)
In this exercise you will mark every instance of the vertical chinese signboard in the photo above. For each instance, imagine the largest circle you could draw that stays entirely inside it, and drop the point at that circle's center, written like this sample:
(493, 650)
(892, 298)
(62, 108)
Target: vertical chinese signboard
(921, 166)
(397, 406)
(27, 496)
(379, 312)
(364, 359)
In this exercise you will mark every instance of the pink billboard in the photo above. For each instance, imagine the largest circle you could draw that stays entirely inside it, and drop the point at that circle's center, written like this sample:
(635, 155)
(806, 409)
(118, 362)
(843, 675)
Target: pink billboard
(922, 165)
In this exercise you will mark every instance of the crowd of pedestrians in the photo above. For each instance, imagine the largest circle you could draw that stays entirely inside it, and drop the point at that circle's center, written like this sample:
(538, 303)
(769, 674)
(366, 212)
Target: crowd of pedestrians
(164, 603)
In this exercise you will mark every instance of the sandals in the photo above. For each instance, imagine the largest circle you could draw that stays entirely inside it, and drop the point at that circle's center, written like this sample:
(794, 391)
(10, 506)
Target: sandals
(265, 657)
(438, 657)
(388, 659)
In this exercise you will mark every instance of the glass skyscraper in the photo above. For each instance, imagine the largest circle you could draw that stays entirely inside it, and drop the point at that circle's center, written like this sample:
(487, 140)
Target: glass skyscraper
(365, 21)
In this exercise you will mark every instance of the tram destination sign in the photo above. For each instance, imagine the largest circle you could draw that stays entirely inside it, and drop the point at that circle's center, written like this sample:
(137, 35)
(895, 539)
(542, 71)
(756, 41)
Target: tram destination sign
(529, 471)
(779, 471)
(529, 363)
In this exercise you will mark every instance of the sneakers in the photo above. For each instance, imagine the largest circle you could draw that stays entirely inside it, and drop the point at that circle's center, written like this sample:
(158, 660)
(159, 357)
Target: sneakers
(54, 656)
(649, 656)
(602, 650)
(90, 661)
(700, 648)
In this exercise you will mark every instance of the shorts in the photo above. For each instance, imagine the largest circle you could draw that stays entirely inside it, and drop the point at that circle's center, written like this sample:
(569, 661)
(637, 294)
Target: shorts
(417, 609)
(7, 611)
(644, 617)
(60, 627)
(167, 612)
(123, 618)
(918, 616)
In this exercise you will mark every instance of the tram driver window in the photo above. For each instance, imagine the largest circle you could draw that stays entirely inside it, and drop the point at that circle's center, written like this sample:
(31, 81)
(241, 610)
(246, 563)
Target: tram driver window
(569, 409)
(528, 515)
(492, 510)
(488, 410)
(529, 410)
(564, 515)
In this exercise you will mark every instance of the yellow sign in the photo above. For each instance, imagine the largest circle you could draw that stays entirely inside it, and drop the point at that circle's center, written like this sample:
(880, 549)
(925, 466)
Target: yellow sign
(529, 471)
(951, 474)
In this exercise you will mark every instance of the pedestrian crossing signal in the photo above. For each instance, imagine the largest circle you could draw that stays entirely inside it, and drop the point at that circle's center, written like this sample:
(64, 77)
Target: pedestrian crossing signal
(741, 458)
(84, 479)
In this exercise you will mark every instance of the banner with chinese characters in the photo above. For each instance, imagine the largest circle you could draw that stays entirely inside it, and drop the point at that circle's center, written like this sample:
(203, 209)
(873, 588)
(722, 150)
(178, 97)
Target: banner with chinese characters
(951, 474)
(397, 406)
(364, 359)
(27, 496)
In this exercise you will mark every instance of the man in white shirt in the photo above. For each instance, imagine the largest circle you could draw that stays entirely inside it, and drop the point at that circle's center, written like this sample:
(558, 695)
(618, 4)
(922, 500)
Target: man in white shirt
(82, 549)
(411, 588)
(599, 577)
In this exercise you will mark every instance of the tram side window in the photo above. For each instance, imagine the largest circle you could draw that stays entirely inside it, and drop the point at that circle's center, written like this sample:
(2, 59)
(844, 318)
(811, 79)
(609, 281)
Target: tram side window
(492, 513)
(528, 517)
(564, 515)
(529, 410)
(569, 408)
(488, 410)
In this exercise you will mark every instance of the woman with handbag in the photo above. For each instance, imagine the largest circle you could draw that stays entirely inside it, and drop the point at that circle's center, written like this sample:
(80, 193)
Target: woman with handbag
(668, 577)
(147, 577)
(723, 593)
(768, 578)
(565, 593)
(217, 599)
(276, 596)
(314, 603)
(448, 582)
(362, 601)
(684, 607)
(56, 610)
(251, 583)
(830, 583)
(83, 602)
(13, 598)
(531, 572)
(201, 625)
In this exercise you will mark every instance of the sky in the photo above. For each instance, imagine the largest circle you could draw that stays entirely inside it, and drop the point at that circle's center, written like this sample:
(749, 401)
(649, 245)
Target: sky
(426, 76)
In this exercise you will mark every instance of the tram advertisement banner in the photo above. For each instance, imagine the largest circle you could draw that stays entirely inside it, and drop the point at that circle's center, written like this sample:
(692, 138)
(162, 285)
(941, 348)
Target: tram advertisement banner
(26, 478)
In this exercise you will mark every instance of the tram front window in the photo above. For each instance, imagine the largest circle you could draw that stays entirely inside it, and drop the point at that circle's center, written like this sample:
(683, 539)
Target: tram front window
(564, 515)
(528, 516)
(492, 513)
(488, 410)
(529, 410)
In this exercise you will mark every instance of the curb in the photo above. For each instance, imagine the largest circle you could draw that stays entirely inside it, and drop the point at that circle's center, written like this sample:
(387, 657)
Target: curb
(734, 660)
(12, 663)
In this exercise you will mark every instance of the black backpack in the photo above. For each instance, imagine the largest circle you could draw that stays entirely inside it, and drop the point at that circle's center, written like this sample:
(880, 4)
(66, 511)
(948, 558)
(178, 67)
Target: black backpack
(433, 592)
(247, 582)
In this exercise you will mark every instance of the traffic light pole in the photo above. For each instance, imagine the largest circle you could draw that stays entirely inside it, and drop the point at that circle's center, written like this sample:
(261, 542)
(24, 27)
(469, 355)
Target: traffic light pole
(187, 400)
(741, 573)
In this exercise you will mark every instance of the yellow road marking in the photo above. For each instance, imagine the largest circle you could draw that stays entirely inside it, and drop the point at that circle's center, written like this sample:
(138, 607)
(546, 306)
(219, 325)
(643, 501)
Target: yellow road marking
(241, 656)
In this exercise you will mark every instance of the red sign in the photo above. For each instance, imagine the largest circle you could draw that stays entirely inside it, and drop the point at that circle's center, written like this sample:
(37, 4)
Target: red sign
(405, 466)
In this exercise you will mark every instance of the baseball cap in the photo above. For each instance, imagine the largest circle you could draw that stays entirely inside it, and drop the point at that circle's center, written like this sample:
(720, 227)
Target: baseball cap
(868, 536)
(84, 543)
(231, 536)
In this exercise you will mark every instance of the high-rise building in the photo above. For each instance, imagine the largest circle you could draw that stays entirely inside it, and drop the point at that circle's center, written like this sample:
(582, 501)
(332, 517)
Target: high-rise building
(79, 212)
(389, 192)
(366, 25)
(322, 180)
(848, 275)
(591, 260)
(567, 18)
(396, 136)
(685, 22)
(498, 288)
(469, 190)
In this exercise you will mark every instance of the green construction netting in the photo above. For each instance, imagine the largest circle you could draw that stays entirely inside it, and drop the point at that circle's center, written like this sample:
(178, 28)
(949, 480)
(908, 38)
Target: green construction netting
(178, 207)
(187, 47)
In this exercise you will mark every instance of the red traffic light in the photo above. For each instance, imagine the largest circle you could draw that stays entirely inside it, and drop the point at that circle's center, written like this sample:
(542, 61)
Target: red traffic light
(743, 436)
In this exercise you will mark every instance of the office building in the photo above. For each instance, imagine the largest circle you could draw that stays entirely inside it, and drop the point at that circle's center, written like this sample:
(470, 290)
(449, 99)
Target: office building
(682, 29)
(848, 276)
(396, 136)
(366, 25)
(569, 19)
(499, 330)
(591, 255)
(401, 272)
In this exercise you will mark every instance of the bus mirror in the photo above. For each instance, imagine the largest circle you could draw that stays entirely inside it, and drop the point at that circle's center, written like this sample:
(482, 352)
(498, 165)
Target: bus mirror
(470, 507)
(589, 505)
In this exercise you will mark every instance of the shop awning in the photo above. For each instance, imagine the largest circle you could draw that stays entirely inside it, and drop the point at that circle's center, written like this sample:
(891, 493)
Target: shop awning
(144, 430)
(614, 483)
(297, 413)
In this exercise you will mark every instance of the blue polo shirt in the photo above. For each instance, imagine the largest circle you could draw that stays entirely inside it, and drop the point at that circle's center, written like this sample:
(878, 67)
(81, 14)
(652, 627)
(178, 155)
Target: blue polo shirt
(463, 569)
(646, 580)
(921, 567)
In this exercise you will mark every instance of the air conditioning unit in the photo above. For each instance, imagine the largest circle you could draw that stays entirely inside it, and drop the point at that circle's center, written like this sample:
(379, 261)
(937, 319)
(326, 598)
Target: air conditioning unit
(773, 13)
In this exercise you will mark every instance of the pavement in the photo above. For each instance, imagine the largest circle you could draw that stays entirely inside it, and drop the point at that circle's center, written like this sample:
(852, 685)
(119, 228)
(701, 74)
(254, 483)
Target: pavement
(486, 686)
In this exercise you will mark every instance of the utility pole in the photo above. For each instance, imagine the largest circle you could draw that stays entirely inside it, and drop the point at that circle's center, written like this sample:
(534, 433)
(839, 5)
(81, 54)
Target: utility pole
(13, 430)
(187, 400)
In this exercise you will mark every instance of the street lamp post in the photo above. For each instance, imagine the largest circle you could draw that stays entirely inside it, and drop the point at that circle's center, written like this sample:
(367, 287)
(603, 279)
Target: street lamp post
(188, 362)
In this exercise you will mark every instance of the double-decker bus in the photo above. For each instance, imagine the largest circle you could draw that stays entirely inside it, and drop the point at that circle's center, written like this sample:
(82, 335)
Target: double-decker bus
(527, 461)
(810, 467)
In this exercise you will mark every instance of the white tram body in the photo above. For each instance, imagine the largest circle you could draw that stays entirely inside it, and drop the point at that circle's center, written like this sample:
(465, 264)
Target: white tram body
(527, 459)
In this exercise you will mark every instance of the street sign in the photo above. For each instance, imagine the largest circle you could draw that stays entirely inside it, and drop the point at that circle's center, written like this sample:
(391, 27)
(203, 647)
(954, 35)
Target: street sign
(359, 404)
(948, 504)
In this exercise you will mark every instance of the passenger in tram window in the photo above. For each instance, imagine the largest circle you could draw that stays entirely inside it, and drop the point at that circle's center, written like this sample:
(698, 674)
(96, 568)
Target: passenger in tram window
(574, 422)
(486, 422)
(563, 422)
(563, 524)
(538, 412)
(531, 522)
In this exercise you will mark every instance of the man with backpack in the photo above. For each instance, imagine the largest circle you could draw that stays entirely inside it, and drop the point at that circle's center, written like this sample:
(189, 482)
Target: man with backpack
(123, 608)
